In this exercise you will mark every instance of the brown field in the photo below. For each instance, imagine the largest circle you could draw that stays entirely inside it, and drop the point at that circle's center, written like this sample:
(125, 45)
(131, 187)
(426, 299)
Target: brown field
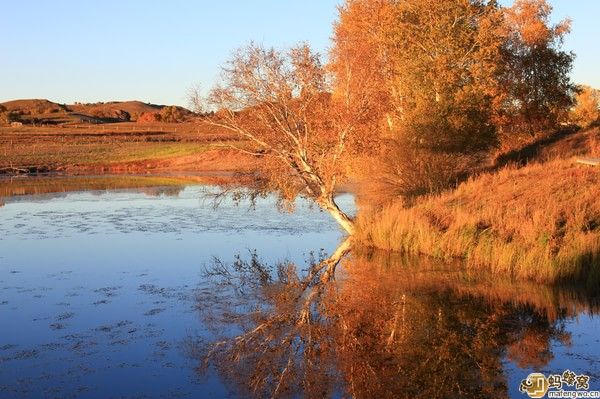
(118, 147)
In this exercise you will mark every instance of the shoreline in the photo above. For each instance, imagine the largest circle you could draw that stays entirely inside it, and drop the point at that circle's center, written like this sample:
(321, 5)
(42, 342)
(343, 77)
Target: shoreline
(538, 222)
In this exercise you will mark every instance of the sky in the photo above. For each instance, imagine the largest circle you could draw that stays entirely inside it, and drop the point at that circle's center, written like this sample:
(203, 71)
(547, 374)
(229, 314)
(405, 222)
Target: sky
(155, 51)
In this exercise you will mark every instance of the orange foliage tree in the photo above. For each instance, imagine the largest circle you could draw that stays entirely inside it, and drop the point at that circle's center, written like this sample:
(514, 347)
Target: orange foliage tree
(537, 88)
(446, 56)
(436, 64)
(148, 117)
(586, 111)
(361, 53)
(455, 78)
(280, 104)
(173, 114)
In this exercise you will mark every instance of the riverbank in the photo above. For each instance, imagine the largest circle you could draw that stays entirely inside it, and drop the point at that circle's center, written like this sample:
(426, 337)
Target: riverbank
(538, 218)
(540, 221)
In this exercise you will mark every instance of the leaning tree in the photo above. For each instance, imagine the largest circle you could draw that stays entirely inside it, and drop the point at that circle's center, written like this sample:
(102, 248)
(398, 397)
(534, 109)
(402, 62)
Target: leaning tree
(282, 107)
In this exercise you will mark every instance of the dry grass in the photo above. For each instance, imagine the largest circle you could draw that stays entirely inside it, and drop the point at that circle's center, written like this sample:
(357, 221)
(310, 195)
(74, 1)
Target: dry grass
(560, 145)
(539, 222)
(108, 147)
(581, 143)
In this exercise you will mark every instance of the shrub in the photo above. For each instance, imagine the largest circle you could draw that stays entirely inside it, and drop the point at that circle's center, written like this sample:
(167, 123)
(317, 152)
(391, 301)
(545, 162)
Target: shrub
(172, 114)
(586, 111)
(149, 117)
(7, 117)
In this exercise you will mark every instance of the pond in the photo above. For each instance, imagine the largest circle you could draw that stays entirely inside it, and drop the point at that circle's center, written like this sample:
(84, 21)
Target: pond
(128, 290)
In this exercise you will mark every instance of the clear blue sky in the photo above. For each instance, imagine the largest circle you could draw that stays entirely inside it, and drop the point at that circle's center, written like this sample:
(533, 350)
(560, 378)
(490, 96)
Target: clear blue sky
(67, 50)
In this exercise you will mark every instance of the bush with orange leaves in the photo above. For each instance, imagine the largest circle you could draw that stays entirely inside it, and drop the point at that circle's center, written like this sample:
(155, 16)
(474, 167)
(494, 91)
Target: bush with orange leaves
(586, 111)
(149, 117)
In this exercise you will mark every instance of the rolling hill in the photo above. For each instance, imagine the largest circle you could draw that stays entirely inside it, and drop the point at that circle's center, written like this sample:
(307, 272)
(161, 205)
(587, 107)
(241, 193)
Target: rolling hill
(42, 111)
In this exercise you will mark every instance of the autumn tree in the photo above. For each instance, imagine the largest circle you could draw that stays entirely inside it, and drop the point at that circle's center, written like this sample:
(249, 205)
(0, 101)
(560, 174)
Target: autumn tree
(537, 88)
(445, 59)
(586, 111)
(280, 105)
(361, 53)
(437, 66)
(149, 117)
(172, 114)
(7, 116)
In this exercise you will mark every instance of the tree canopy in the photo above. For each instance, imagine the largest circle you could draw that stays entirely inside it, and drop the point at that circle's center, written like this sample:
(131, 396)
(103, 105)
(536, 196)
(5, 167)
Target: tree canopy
(538, 91)
(454, 79)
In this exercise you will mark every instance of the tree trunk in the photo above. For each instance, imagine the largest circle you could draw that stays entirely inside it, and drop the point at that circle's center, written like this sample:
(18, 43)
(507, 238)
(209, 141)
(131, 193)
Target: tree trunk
(343, 220)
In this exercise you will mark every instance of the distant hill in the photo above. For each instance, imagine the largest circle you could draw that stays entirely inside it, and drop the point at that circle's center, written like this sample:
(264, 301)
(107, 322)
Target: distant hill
(48, 112)
(115, 109)
(34, 106)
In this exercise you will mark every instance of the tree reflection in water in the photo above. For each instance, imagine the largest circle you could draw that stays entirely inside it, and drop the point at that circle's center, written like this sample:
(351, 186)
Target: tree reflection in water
(387, 326)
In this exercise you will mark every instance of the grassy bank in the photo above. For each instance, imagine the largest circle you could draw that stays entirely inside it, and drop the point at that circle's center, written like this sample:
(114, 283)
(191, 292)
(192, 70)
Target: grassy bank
(540, 222)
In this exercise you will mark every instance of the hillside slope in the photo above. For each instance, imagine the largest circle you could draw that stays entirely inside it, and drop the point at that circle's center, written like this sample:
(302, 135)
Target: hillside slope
(34, 106)
(540, 221)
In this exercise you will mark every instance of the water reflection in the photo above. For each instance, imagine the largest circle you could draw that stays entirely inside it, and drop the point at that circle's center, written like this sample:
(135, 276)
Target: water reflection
(97, 291)
(102, 290)
(58, 186)
(387, 326)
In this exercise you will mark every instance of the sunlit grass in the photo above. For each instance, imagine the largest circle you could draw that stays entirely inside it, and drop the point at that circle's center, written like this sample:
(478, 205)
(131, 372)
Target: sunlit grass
(70, 147)
(539, 222)
(99, 153)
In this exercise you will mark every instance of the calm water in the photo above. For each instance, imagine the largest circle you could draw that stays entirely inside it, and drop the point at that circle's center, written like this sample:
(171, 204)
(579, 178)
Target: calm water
(105, 294)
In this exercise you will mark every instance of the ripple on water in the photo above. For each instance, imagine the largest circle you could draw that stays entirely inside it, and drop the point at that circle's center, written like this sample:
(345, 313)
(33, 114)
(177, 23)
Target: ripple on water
(86, 214)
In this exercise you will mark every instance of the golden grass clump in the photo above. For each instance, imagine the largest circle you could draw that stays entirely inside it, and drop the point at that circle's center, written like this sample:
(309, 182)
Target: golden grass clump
(539, 222)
